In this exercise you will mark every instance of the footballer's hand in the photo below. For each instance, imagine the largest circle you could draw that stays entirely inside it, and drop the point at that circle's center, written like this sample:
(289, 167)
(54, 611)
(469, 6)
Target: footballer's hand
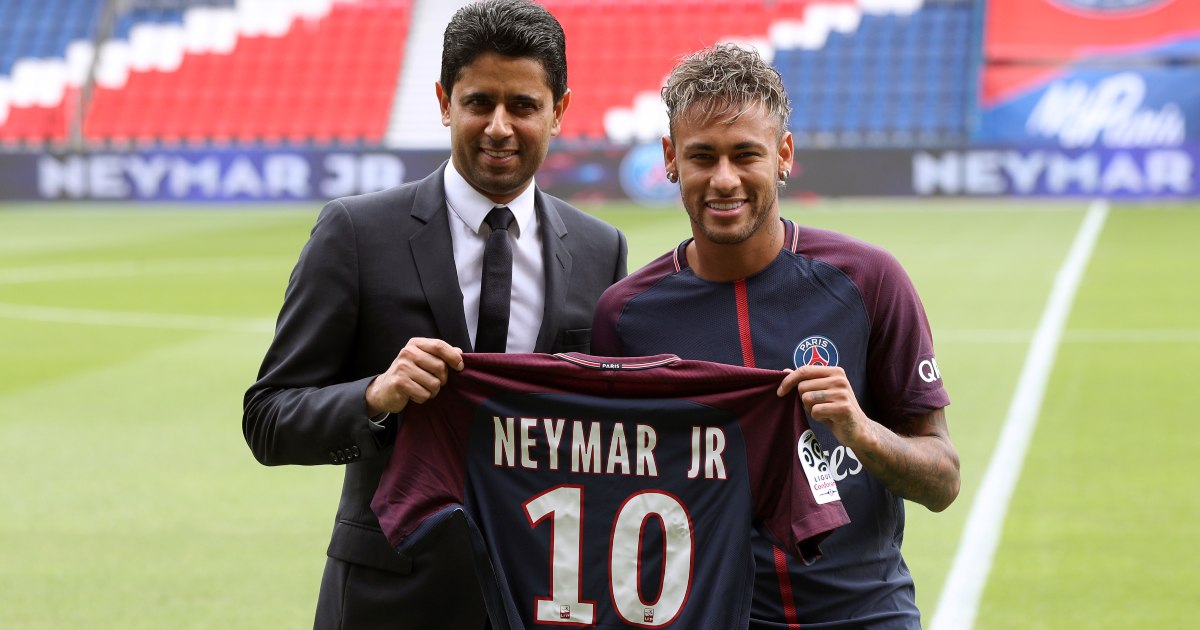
(829, 399)
(417, 374)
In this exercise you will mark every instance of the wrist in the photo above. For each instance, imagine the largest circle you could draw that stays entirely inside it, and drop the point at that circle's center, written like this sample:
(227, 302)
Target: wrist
(862, 436)
(372, 399)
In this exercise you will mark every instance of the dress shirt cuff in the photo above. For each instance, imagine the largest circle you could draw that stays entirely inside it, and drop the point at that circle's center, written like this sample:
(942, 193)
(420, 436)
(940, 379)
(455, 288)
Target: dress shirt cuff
(377, 422)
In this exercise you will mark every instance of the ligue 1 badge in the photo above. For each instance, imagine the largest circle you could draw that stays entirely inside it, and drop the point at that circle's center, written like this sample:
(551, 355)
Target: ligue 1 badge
(816, 468)
(815, 350)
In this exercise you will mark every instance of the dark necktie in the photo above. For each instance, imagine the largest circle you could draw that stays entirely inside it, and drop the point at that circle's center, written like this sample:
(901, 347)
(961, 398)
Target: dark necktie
(495, 291)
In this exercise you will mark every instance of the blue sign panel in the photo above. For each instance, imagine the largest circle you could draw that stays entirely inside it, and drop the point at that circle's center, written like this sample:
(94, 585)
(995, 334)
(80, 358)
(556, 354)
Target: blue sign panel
(609, 173)
(1096, 172)
(247, 175)
(1152, 107)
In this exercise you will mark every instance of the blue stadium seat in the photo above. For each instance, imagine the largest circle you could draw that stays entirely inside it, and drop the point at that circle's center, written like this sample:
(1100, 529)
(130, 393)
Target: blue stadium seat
(895, 79)
(883, 79)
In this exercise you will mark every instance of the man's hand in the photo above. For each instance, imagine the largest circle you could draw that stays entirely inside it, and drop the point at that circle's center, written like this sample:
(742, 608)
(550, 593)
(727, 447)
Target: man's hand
(917, 461)
(829, 399)
(417, 374)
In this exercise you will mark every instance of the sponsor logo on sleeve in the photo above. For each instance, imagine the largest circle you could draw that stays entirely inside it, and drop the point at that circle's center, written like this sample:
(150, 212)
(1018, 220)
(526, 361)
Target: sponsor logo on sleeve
(816, 468)
(928, 370)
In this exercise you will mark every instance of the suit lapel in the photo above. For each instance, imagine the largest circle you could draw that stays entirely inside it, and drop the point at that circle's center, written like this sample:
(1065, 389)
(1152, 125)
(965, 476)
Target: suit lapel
(433, 258)
(557, 261)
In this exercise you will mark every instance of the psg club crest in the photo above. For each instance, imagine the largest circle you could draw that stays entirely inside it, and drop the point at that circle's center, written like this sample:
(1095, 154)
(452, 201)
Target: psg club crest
(815, 350)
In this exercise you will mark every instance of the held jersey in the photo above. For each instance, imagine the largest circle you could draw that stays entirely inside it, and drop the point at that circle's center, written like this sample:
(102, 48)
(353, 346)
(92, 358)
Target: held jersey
(826, 299)
(610, 493)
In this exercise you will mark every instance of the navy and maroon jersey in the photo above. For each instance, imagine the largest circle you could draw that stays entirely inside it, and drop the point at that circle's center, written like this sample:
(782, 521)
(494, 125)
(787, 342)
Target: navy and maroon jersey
(610, 493)
(826, 299)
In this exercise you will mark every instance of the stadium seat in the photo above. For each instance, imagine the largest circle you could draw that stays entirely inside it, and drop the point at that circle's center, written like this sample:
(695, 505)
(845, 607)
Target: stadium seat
(842, 64)
(271, 81)
(198, 71)
(39, 67)
(606, 75)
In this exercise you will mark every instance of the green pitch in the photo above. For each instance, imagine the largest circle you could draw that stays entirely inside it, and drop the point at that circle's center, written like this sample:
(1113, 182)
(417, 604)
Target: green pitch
(129, 499)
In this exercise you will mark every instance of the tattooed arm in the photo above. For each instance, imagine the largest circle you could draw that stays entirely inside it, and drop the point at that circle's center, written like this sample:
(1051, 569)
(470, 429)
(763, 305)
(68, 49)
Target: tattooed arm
(918, 462)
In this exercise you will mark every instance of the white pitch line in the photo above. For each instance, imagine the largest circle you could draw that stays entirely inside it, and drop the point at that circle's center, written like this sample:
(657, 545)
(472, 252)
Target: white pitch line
(1078, 335)
(130, 268)
(1133, 335)
(959, 601)
(134, 320)
(980, 335)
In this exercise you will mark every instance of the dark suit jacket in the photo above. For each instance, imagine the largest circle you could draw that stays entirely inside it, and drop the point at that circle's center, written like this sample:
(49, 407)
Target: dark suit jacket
(378, 270)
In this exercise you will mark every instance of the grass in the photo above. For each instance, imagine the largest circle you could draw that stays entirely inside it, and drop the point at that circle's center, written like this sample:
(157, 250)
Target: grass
(131, 501)
(137, 504)
(1103, 523)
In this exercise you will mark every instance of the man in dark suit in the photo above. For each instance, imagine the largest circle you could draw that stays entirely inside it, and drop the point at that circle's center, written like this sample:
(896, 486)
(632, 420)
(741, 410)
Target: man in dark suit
(386, 296)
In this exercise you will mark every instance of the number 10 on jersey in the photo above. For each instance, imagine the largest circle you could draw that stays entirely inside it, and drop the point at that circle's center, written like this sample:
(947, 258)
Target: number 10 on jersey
(564, 505)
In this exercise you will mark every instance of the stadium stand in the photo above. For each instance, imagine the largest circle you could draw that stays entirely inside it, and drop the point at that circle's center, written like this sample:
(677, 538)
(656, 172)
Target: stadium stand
(171, 72)
(871, 72)
(894, 79)
(416, 119)
(267, 72)
(45, 53)
(619, 53)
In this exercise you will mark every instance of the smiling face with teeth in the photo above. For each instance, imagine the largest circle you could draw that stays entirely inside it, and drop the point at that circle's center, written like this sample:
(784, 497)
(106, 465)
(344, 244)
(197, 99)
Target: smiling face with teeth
(728, 169)
(502, 115)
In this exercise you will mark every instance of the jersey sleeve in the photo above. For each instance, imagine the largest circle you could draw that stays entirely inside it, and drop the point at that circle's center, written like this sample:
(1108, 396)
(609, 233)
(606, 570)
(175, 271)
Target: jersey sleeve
(795, 495)
(605, 341)
(901, 365)
(425, 476)
(901, 362)
(606, 338)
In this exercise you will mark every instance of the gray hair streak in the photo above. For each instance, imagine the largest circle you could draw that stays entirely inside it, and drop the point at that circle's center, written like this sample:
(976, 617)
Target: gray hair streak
(723, 82)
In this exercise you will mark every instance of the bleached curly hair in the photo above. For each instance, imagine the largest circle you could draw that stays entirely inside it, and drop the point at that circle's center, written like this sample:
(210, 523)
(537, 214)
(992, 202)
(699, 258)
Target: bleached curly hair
(721, 83)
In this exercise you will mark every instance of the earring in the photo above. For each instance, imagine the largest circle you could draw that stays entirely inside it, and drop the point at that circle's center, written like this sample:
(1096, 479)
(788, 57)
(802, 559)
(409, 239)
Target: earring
(785, 174)
(672, 177)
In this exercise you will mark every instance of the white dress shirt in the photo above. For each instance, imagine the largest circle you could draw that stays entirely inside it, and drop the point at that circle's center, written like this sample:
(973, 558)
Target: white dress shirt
(469, 233)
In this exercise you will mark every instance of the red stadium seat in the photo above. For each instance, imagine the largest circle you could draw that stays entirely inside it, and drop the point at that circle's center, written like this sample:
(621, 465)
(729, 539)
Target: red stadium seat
(269, 89)
(605, 73)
